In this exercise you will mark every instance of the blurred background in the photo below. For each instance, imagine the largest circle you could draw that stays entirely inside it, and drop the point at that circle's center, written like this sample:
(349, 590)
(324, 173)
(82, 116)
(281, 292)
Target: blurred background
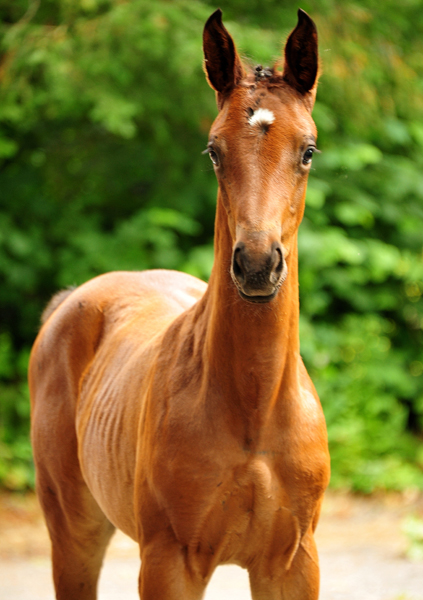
(104, 113)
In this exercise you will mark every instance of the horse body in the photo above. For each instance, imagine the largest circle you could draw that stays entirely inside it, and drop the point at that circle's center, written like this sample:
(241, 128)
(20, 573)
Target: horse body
(182, 413)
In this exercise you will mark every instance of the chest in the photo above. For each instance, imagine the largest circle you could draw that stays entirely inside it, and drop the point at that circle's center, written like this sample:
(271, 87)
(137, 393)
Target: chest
(234, 510)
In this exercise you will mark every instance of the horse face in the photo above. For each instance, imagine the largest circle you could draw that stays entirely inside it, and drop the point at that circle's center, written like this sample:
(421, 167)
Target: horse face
(261, 145)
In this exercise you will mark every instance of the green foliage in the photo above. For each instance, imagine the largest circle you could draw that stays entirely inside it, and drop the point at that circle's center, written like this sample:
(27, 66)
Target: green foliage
(16, 470)
(413, 529)
(104, 112)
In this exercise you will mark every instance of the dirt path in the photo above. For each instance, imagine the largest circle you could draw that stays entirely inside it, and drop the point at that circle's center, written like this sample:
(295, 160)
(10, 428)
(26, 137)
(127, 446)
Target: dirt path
(361, 546)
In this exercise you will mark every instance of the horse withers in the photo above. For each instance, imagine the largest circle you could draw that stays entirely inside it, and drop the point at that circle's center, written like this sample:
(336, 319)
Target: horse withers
(182, 413)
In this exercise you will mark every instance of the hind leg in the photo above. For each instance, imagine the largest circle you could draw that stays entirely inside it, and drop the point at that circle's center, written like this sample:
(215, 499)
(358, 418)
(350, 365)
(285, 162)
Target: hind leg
(79, 534)
(79, 531)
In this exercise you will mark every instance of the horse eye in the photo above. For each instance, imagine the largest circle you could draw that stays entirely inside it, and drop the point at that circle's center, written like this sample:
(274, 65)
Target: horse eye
(213, 157)
(308, 155)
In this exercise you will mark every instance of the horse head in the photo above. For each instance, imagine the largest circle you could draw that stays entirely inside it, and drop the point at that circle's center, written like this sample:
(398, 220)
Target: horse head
(261, 146)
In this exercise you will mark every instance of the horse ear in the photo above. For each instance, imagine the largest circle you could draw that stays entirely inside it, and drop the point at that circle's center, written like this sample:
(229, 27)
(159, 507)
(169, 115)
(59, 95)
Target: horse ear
(222, 64)
(301, 57)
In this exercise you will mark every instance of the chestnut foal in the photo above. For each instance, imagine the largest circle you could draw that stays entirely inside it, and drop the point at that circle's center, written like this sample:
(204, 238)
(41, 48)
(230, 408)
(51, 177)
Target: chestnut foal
(182, 413)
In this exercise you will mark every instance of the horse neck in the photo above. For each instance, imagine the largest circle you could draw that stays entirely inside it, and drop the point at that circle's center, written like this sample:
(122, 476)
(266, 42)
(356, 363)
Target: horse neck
(252, 350)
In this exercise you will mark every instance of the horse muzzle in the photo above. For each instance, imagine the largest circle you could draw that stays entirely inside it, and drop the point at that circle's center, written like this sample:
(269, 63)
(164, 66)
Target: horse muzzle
(258, 275)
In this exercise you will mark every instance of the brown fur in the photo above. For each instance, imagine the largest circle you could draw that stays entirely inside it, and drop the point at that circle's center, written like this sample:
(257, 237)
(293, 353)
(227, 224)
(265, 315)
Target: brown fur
(182, 413)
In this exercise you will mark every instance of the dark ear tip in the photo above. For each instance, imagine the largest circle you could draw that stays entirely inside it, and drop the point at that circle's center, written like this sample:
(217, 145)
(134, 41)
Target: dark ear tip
(216, 16)
(303, 17)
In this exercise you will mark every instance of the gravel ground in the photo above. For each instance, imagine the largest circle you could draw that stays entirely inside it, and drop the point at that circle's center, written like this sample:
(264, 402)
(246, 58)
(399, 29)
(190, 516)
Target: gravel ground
(361, 546)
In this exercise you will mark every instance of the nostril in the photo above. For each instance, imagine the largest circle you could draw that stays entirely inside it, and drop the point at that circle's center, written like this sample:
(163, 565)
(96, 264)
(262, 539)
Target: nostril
(278, 261)
(237, 266)
(278, 264)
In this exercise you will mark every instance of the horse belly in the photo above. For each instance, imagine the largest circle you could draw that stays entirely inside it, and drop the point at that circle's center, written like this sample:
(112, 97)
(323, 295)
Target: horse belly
(107, 422)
